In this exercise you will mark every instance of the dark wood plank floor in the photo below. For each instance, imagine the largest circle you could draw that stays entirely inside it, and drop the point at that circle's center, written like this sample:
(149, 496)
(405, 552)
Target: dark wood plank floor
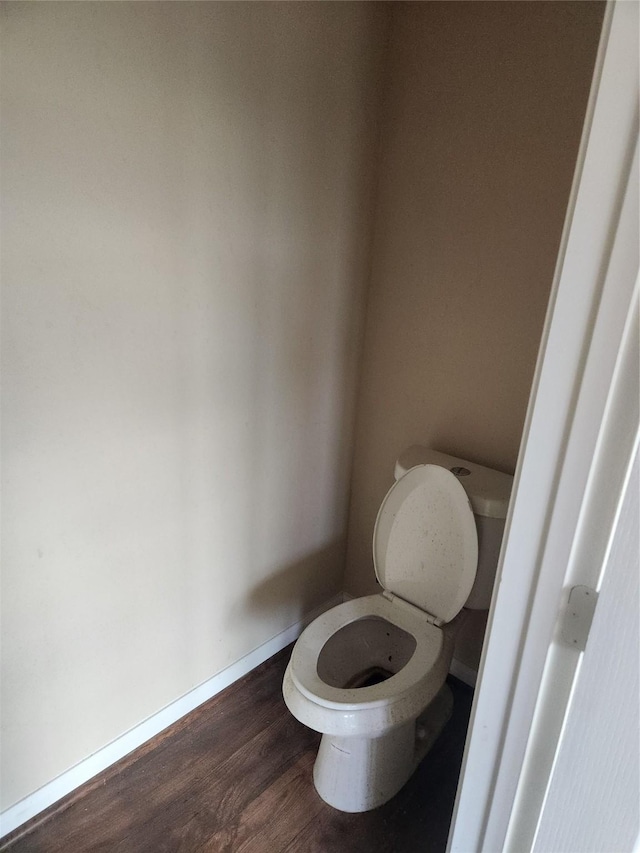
(235, 775)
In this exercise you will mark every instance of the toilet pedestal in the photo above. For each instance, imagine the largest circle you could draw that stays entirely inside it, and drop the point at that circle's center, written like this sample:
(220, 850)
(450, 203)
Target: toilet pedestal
(357, 774)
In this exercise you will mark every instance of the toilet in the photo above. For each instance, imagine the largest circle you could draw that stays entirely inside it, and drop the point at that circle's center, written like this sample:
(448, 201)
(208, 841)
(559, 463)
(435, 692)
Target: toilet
(369, 674)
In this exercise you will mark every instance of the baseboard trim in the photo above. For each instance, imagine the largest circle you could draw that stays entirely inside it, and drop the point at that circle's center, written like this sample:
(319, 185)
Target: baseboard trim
(463, 672)
(99, 761)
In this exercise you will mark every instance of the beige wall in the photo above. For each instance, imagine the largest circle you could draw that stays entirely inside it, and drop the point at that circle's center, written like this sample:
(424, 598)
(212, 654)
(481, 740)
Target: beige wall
(483, 113)
(186, 211)
(185, 233)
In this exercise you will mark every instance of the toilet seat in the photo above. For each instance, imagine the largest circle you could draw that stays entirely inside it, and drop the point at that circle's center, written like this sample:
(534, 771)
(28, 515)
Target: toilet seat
(424, 660)
(425, 554)
(425, 550)
(425, 544)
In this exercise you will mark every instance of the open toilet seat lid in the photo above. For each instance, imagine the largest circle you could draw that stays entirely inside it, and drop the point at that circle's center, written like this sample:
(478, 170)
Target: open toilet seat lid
(425, 545)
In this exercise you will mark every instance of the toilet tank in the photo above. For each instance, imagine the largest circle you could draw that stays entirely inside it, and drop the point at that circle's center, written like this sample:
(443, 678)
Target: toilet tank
(489, 492)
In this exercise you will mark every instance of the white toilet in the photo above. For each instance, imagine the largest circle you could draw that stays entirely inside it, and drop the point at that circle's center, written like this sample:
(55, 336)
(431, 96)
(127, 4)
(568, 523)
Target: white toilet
(370, 674)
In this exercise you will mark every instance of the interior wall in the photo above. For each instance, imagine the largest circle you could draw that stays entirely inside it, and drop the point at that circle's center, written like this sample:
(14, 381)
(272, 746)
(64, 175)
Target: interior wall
(483, 112)
(186, 220)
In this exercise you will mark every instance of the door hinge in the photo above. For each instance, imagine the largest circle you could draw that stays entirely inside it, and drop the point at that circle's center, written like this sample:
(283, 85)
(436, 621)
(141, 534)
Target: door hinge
(579, 616)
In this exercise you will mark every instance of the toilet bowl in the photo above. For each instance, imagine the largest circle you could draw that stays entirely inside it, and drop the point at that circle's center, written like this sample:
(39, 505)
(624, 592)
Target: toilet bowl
(369, 674)
(393, 665)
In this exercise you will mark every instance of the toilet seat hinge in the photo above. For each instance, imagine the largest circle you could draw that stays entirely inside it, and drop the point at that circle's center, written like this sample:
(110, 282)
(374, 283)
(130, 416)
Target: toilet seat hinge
(417, 611)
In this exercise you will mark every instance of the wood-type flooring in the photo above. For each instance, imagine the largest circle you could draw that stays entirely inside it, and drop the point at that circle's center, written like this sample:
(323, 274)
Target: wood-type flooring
(234, 776)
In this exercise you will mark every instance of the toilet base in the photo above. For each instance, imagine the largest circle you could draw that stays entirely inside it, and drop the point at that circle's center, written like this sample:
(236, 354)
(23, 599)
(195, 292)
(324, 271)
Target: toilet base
(355, 774)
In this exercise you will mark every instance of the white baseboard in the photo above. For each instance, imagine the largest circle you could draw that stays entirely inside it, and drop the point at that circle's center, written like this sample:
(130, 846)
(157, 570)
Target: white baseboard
(463, 672)
(39, 800)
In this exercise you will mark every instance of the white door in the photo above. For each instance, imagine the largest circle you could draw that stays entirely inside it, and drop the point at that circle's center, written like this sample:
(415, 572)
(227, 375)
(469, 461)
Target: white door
(579, 439)
(590, 668)
(593, 799)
